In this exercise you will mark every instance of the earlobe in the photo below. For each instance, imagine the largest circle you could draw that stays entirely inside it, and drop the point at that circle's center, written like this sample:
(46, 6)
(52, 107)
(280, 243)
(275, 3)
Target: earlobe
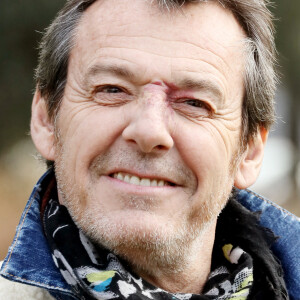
(41, 128)
(251, 161)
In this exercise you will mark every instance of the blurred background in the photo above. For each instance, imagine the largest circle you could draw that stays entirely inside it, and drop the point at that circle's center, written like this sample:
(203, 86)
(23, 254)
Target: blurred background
(21, 24)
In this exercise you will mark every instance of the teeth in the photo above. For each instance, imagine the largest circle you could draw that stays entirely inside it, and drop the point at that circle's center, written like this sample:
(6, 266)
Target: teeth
(139, 181)
(145, 182)
(127, 178)
(134, 180)
(153, 182)
(161, 183)
(120, 176)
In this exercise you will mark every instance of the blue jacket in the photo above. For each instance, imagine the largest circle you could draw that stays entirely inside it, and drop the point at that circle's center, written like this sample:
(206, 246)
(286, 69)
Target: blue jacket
(29, 258)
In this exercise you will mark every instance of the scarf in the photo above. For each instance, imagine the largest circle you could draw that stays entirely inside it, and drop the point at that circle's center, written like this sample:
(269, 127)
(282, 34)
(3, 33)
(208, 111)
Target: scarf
(94, 272)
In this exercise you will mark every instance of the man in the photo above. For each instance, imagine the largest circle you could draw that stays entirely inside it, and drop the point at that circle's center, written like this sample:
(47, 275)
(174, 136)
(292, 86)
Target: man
(153, 116)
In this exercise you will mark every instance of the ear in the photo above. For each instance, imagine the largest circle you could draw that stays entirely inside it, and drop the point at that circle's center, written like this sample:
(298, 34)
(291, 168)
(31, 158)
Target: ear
(41, 128)
(250, 164)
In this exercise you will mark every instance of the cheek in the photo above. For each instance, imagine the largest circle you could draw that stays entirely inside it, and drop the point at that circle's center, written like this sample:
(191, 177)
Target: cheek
(87, 134)
(204, 149)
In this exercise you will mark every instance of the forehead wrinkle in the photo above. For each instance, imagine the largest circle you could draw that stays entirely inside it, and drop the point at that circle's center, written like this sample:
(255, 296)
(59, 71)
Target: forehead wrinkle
(200, 60)
(202, 42)
(176, 44)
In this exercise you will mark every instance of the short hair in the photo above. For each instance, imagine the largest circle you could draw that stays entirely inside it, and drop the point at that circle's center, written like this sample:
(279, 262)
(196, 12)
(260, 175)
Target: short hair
(259, 76)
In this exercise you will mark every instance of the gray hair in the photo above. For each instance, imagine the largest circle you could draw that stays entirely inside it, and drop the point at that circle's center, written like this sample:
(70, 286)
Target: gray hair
(259, 79)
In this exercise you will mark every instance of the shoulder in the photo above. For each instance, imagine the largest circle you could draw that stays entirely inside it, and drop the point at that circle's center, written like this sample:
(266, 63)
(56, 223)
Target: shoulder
(283, 223)
(10, 290)
(286, 227)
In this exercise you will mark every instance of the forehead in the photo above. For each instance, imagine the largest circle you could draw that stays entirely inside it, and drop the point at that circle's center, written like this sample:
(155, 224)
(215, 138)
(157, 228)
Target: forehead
(203, 32)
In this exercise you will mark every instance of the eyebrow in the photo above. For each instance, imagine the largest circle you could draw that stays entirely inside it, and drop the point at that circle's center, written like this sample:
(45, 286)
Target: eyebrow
(113, 69)
(203, 85)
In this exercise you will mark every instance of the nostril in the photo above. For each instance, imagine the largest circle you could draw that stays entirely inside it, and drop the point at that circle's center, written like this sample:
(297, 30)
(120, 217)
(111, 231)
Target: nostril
(160, 147)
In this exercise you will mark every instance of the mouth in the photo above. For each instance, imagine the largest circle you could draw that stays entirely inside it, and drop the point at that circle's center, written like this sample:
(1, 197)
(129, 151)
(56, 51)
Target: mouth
(141, 181)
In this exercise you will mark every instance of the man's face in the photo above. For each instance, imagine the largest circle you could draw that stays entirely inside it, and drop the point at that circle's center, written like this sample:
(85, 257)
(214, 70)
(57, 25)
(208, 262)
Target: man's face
(149, 126)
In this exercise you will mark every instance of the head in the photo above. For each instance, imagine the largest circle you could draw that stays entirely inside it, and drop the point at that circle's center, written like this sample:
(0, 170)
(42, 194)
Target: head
(151, 113)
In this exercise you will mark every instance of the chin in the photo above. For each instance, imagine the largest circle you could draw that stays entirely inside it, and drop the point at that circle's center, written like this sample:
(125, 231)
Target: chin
(144, 240)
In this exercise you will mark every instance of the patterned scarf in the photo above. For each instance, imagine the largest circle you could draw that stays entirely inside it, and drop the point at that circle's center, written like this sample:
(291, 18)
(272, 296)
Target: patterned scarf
(95, 273)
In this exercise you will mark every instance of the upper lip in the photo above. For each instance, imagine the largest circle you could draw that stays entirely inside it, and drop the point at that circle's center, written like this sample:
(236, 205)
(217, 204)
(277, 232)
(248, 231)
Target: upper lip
(151, 176)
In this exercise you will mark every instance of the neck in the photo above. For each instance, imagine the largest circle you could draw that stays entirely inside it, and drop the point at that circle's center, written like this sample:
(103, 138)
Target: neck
(189, 276)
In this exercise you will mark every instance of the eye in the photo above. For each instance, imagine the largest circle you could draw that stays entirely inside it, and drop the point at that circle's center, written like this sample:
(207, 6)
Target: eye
(193, 108)
(112, 95)
(197, 103)
(110, 89)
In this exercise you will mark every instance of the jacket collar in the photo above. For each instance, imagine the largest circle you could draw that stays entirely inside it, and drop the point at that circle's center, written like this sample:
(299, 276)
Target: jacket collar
(29, 259)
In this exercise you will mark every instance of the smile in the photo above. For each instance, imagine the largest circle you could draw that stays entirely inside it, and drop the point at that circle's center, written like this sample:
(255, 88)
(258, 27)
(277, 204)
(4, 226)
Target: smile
(133, 179)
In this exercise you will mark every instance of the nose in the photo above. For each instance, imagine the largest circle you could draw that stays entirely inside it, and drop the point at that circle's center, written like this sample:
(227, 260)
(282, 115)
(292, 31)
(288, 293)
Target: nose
(149, 127)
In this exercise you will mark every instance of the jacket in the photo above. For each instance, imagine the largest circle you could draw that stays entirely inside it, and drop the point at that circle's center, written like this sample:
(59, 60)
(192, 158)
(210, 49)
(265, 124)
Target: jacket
(32, 274)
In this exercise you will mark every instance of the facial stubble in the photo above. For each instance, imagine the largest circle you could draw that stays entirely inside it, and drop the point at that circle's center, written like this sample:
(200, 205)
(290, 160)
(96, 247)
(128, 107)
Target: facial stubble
(167, 248)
